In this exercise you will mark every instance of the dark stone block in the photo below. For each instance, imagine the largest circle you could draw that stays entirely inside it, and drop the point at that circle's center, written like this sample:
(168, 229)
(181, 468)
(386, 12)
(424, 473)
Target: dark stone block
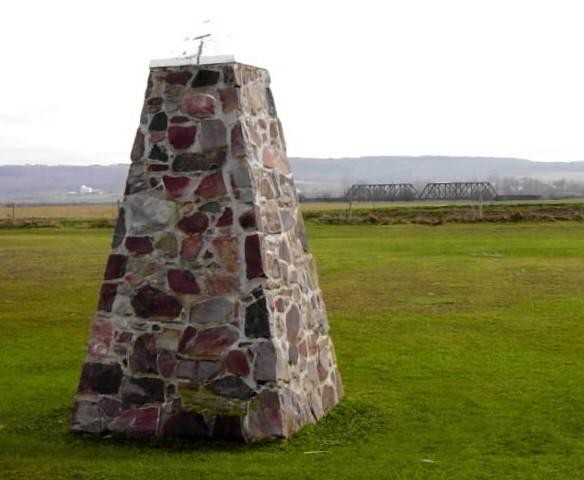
(210, 207)
(138, 391)
(107, 296)
(205, 78)
(228, 427)
(271, 104)
(120, 230)
(185, 424)
(158, 153)
(144, 353)
(100, 378)
(116, 267)
(151, 302)
(159, 122)
(232, 387)
(257, 317)
(207, 160)
(247, 220)
(253, 257)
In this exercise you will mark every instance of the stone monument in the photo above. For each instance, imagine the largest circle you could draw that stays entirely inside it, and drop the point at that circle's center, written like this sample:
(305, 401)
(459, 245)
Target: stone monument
(210, 321)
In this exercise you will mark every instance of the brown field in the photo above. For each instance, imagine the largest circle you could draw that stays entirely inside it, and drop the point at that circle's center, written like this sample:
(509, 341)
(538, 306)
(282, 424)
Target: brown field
(335, 212)
(28, 212)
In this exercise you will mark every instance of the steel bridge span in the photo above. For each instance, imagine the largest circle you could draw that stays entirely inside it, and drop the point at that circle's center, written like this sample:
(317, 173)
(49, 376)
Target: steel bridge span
(391, 192)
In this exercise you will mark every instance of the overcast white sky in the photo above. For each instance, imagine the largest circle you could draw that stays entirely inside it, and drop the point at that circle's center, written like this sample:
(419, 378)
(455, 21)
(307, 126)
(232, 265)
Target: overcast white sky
(403, 77)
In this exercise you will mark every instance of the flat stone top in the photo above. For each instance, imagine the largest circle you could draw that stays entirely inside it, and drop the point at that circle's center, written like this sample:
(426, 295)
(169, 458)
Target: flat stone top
(183, 61)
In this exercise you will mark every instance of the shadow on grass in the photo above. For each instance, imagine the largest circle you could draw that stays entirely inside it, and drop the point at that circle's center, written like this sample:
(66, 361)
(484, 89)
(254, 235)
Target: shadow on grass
(350, 421)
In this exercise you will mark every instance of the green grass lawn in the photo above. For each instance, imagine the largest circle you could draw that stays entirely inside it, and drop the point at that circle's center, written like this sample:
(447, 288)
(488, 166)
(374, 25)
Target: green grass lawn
(461, 348)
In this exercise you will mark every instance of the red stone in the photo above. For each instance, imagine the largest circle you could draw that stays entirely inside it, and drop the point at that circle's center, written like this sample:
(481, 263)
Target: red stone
(253, 257)
(138, 147)
(155, 101)
(102, 333)
(268, 158)
(151, 302)
(181, 137)
(229, 99)
(212, 342)
(175, 186)
(177, 78)
(195, 223)
(213, 134)
(186, 339)
(139, 245)
(200, 106)
(179, 119)
(237, 363)
(156, 137)
(116, 267)
(226, 218)
(183, 281)
(107, 295)
(237, 142)
(143, 358)
(191, 247)
(211, 186)
(156, 167)
(198, 370)
(219, 283)
(138, 422)
(166, 363)
(265, 417)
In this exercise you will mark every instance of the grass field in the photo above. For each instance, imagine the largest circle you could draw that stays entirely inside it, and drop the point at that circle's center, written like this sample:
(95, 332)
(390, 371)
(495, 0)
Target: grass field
(461, 348)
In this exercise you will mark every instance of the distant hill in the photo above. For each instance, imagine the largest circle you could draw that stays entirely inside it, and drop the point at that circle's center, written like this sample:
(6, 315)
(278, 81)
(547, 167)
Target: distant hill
(41, 183)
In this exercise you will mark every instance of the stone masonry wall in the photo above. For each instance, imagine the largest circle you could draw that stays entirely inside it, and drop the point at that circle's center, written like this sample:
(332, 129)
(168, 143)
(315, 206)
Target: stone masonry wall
(210, 319)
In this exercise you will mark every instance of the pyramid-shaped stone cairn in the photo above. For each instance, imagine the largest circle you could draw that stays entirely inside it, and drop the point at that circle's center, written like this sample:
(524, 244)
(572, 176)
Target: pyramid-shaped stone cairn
(210, 320)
